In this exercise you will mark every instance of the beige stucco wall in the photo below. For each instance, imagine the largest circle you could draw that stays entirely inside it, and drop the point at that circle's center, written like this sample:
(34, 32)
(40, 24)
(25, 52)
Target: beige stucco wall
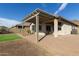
(78, 29)
(43, 26)
(65, 29)
(31, 28)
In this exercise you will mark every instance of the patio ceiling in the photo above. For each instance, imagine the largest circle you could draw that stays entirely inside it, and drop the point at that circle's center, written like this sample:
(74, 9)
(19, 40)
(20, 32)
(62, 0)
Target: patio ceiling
(45, 17)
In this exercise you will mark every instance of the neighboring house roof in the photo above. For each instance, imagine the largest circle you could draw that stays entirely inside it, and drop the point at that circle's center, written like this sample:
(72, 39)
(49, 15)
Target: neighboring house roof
(46, 14)
(76, 22)
(24, 24)
(27, 24)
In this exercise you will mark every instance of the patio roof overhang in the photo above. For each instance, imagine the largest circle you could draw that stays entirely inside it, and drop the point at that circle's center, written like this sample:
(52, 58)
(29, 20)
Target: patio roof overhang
(45, 17)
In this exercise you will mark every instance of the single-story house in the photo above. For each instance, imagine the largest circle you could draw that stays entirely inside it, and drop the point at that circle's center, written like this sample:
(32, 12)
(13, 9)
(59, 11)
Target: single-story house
(21, 28)
(43, 23)
(76, 22)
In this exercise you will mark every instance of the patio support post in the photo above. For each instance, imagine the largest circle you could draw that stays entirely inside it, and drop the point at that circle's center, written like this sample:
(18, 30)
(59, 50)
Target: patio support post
(37, 27)
(55, 28)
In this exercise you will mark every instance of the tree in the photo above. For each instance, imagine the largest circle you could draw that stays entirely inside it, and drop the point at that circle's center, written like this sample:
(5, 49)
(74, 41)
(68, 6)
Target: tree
(4, 29)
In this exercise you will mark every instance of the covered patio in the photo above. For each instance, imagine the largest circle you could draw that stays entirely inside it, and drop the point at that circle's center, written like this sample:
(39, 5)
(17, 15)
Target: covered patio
(45, 23)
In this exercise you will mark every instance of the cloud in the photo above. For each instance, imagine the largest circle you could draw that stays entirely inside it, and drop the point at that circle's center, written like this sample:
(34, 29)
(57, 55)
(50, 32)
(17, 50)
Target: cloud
(61, 8)
(8, 22)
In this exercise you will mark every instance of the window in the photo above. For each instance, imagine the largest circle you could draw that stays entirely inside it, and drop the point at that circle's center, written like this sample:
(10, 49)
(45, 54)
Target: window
(19, 27)
(73, 27)
(40, 27)
(74, 30)
(34, 28)
(24, 27)
(59, 25)
(48, 28)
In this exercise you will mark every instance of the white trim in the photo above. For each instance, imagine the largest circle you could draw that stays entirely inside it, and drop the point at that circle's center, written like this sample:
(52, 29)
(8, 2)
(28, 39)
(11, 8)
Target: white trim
(31, 17)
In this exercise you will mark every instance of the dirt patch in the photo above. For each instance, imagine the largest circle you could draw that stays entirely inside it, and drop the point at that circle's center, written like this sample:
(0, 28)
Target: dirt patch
(21, 48)
(66, 45)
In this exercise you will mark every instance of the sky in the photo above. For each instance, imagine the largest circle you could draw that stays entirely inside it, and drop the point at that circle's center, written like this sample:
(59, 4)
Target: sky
(17, 11)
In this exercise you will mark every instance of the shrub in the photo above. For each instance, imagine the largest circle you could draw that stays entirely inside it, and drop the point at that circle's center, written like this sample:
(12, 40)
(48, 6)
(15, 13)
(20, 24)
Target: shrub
(28, 31)
(4, 30)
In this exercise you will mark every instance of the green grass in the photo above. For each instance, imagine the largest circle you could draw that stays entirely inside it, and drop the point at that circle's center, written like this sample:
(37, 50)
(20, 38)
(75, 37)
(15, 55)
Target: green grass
(9, 37)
